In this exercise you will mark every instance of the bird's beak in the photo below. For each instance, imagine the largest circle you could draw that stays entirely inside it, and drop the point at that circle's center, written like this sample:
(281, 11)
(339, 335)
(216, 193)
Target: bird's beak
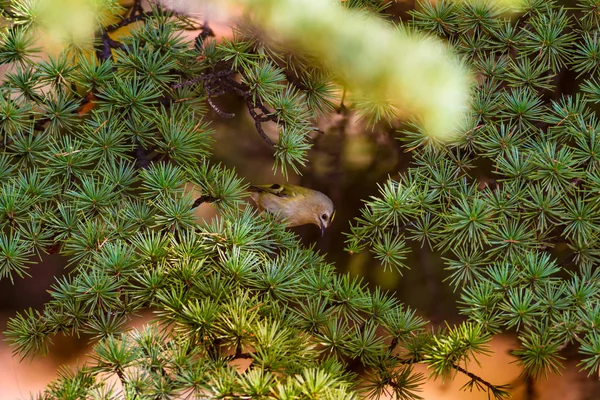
(322, 228)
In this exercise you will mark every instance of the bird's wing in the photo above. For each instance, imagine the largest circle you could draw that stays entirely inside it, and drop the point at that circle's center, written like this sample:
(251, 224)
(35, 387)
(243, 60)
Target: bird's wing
(276, 189)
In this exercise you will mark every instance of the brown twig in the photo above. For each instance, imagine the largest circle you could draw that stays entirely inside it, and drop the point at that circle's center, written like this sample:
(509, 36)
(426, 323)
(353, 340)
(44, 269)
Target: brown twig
(203, 199)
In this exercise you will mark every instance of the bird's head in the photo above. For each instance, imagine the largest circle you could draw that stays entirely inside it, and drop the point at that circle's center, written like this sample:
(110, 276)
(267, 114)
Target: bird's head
(324, 211)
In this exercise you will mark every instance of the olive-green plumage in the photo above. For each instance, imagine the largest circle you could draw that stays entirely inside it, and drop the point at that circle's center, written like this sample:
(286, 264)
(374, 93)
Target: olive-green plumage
(297, 205)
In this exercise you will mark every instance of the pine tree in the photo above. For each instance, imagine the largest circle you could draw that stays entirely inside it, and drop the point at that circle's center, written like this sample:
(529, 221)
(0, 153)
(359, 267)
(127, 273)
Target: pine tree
(98, 151)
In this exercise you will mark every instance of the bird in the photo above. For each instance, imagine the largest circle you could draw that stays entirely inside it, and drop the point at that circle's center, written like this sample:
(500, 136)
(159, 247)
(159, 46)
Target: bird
(296, 205)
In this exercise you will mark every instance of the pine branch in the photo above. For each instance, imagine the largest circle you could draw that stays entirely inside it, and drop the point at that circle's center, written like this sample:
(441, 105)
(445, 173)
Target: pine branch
(491, 387)
(497, 391)
(136, 13)
(258, 120)
(203, 199)
(223, 83)
(221, 113)
(205, 32)
(104, 52)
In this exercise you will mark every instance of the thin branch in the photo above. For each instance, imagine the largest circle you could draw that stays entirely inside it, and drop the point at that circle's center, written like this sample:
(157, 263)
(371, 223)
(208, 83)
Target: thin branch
(204, 77)
(127, 21)
(217, 109)
(103, 53)
(205, 32)
(137, 13)
(267, 115)
(491, 387)
(236, 87)
(258, 123)
(203, 199)
(190, 82)
(218, 93)
(223, 83)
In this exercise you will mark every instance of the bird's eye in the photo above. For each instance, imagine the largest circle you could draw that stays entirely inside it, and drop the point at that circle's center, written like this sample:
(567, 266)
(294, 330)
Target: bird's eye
(324, 217)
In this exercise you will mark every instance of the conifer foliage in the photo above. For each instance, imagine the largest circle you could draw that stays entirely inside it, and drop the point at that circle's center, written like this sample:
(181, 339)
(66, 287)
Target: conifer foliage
(98, 150)
(512, 205)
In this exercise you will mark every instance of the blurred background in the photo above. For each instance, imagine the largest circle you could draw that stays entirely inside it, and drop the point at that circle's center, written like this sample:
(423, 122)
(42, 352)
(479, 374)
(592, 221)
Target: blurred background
(347, 161)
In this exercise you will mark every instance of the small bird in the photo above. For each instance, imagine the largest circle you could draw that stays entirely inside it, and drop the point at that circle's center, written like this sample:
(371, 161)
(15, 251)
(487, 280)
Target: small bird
(296, 204)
